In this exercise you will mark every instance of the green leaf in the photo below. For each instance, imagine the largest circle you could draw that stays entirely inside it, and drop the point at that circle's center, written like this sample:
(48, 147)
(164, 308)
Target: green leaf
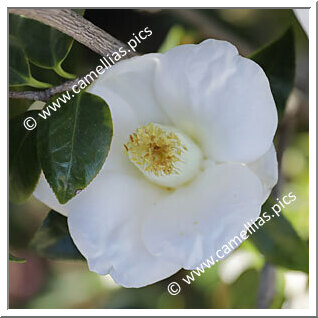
(74, 143)
(16, 259)
(19, 68)
(45, 46)
(173, 38)
(24, 165)
(278, 62)
(243, 292)
(280, 244)
(18, 106)
(53, 240)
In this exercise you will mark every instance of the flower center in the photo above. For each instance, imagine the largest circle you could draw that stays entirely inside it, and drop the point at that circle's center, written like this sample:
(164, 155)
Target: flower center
(163, 154)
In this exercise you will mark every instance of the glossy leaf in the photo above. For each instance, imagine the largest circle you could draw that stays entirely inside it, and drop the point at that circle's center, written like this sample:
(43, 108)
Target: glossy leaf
(45, 46)
(19, 68)
(74, 143)
(278, 62)
(24, 165)
(53, 240)
(280, 244)
(16, 259)
(18, 107)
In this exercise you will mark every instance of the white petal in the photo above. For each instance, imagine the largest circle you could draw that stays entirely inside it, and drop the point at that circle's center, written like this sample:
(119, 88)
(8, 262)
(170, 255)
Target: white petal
(45, 194)
(266, 168)
(192, 223)
(105, 225)
(124, 122)
(132, 80)
(303, 18)
(218, 97)
(127, 88)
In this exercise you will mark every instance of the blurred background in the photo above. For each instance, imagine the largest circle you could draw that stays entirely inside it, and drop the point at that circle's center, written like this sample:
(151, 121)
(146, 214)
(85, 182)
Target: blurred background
(232, 283)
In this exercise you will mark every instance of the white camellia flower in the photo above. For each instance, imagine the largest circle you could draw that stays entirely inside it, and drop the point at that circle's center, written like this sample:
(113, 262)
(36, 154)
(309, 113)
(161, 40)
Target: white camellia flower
(191, 161)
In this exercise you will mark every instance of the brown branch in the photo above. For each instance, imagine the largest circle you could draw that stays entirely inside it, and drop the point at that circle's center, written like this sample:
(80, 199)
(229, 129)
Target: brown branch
(82, 30)
(77, 27)
(44, 95)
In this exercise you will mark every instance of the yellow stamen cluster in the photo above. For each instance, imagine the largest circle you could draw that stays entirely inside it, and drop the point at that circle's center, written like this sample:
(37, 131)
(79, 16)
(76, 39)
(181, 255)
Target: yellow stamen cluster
(155, 150)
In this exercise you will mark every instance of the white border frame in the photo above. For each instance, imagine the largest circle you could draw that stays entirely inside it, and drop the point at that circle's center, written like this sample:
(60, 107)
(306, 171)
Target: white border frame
(312, 163)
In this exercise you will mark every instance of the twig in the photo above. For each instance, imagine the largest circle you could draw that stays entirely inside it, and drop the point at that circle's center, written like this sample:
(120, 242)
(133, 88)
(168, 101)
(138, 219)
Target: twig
(46, 94)
(77, 27)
